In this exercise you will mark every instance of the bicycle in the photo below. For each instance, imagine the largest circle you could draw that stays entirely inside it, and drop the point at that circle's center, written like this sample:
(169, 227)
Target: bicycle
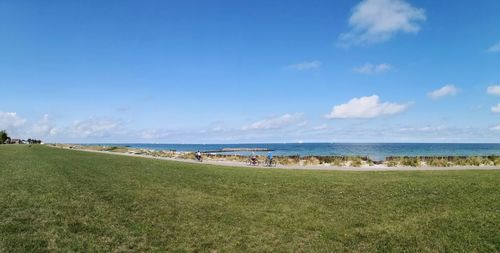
(270, 163)
(199, 158)
(251, 162)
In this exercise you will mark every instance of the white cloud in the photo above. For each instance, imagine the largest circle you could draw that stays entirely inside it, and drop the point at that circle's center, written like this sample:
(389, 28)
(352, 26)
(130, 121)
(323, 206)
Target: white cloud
(285, 128)
(43, 127)
(155, 134)
(447, 90)
(493, 90)
(421, 129)
(276, 122)
(374, 21)
(19, 127)
(305, 65)
(320, 127)
(496, 108)
(373, 69)
(10, 121)
(302, 123)
(365, 107)
(217, 129)
(123, 108)
(95, 128)
(495, 48)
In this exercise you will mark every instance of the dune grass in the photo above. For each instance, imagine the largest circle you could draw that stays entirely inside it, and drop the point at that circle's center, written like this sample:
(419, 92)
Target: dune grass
(63, 200)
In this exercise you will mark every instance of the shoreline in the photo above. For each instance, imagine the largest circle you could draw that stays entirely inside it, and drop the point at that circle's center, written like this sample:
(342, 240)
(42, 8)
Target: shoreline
(226, 163)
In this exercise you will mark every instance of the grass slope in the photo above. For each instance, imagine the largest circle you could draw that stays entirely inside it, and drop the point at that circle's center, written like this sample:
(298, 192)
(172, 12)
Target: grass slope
(62, 200)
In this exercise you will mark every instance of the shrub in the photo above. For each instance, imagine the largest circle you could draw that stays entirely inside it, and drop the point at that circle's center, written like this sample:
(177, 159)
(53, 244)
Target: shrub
(189, 155)
(337, 162)
(495, 160)
(411, 161)
(486, 161)
(459, 161)
(287, 160)
(438, 162)
(311, 160)
(391, 163)
(356, 162)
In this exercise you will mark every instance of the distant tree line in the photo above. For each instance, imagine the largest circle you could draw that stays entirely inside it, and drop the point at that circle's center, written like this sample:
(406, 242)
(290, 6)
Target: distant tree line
(5, 139)
(33, 141)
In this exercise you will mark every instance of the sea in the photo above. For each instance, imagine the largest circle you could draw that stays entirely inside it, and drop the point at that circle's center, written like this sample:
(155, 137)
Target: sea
(375, 151)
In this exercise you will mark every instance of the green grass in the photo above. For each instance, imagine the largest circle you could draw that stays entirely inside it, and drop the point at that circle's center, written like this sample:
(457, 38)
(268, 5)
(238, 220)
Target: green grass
(62, 200)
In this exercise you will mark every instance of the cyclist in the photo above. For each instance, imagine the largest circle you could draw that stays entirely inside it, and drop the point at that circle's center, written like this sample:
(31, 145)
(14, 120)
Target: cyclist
(269, 159)
(198, 156)
(253, 159)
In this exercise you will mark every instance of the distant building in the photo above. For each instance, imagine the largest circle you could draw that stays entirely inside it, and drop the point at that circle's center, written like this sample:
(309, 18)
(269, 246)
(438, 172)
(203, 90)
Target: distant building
(16, 141)
(7, 141)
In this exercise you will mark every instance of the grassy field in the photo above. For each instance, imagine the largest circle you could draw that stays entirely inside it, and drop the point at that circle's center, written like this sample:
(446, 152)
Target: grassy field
(62, 200)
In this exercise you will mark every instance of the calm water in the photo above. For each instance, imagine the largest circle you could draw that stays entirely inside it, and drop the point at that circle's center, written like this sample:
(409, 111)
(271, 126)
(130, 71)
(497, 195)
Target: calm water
(377, 151)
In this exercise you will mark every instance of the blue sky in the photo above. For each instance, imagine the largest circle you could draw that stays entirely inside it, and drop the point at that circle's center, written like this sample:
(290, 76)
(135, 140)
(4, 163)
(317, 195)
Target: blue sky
(251, 71)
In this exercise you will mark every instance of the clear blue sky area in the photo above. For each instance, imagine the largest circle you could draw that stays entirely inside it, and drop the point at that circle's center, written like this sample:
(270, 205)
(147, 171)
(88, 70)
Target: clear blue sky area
(251, 71)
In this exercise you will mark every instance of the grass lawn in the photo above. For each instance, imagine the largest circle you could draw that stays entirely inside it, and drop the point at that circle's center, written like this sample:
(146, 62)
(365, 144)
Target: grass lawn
(62, 200)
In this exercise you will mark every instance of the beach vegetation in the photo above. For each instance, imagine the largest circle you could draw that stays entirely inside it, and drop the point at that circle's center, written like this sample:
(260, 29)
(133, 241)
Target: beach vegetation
(187, 155)
(391, 163)
(332, 160)
(356, 162)
(337, 162)
(474, 161)
(115, 149)
(311, 161)
(495, 160)
(438, 162)
(410, 161)
(288, 160)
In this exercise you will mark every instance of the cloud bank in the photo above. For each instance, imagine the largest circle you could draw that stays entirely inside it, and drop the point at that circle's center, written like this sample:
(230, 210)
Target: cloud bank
(289, 127)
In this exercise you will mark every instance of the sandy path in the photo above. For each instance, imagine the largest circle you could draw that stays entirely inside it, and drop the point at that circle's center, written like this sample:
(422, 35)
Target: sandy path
(308, 167)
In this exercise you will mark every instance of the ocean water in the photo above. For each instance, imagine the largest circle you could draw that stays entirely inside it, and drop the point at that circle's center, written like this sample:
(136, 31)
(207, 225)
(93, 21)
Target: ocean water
(376, 151)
